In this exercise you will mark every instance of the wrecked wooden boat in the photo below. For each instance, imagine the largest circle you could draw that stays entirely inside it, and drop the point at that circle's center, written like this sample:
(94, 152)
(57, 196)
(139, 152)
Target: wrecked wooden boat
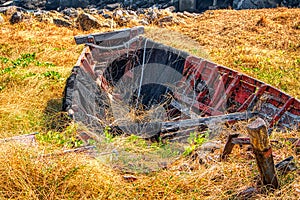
(135, 85)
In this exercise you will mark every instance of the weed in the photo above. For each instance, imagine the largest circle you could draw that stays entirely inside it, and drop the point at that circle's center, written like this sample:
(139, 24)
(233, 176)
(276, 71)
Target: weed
(108, 136)
(195, 140)
(24, 61)
(52, 75)
(4, 60)
(66, 138)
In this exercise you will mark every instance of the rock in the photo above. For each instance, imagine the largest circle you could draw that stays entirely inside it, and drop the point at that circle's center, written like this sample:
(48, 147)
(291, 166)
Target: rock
(92, 11)
(74, 3)
(255, 4)
(62, 4)
(171, 8)
(109, 23)
(166, 19)
(52, 4)
(106, 16)
(129, 178)
(70, 12)
(3, 10)
(1, 19)
(141, 11)
(152, 14)
(30, 4)
(118, 13)
(11, 10)
(87, 22)
(7, 3)
(131, 12)
(142, 4)
(144, 22)
(188, 14)
(62, 22)
(42, 16)
(112, 7)
(187, 5)
(181, 15)
(16, 18)
(121, 17)
(291, 3)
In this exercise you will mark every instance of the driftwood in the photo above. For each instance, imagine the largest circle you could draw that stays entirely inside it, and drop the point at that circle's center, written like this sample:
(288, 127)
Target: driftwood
(263, 152)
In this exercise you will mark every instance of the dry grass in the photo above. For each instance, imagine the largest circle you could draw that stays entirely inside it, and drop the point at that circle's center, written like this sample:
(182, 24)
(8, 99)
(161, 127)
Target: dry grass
(262, 43)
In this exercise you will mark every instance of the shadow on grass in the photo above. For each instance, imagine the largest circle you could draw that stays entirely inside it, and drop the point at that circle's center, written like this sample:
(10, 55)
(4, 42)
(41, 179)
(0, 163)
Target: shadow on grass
(54, 118)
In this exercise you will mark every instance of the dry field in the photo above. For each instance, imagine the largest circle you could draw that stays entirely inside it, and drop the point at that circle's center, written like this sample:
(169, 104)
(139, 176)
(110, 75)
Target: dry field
(36, 58)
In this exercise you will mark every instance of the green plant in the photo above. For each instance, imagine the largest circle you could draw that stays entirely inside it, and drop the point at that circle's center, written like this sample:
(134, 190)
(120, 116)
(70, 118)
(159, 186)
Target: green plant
(67, 138)
(195, 140)
(4, 60)
(52, 75)
(108, 136)
(24, 61)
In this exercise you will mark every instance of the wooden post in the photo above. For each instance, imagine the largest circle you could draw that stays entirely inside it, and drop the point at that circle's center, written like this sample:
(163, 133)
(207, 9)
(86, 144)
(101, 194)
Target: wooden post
(263, 152)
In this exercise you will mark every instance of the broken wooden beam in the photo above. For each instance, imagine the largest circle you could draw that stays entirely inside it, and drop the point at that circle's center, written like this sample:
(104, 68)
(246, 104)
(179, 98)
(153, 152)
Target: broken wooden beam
(263, 152)
(229, 145)
(245, 140)
(89, 150)
(286, 165)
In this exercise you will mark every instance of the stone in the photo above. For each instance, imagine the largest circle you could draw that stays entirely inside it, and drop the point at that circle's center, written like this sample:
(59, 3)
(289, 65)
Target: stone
(118, 13)
(87, 22)
(187, 5)
(92, 11)
(131, 12)
(16, 18)
(71, 12)
(181, 15)
(106, 16)
(109, 23)
(62, 22)
(52, 4)
(171, 8)
(141, 11)
(3, 10)
(255, 4)
(39, 14)
(152, 14)
(188, 14)
(31, 4)
(291, 3)
(166, 19)
(112, 7)
(43, 16)
(7, 3)
(144, 22)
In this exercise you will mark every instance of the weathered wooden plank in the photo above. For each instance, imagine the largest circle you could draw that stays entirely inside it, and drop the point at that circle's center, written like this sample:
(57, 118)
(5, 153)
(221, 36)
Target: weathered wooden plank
(169, 126)
(99, 37)
(90, 150)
